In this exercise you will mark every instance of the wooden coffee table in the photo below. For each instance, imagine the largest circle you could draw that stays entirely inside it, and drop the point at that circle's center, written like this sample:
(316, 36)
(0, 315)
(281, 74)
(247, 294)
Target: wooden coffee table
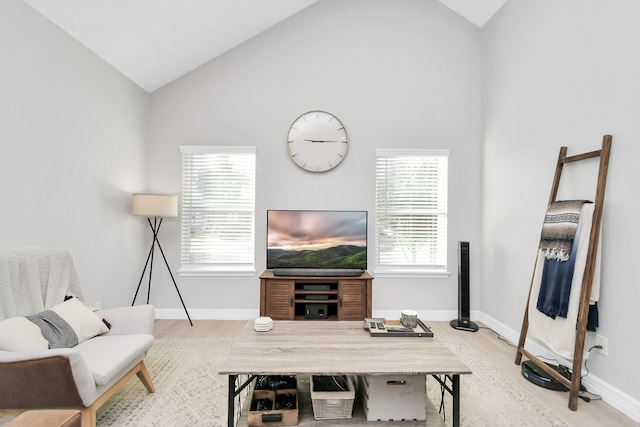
(320, 347)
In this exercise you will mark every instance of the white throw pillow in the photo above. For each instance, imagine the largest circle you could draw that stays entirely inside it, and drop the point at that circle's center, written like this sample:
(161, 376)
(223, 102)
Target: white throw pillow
(85, 323)
(71, 323)
(19, 334)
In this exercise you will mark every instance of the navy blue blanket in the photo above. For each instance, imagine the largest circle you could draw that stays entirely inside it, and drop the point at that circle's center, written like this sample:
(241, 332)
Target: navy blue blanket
(555, 286)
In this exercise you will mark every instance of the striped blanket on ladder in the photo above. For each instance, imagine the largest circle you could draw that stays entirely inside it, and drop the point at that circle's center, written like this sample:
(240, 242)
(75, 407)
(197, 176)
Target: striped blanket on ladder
(558, 244)
(559, 229)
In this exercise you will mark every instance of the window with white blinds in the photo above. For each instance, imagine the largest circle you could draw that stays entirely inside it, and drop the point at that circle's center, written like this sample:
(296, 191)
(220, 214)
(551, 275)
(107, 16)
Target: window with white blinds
(218, 210)
(411, 211)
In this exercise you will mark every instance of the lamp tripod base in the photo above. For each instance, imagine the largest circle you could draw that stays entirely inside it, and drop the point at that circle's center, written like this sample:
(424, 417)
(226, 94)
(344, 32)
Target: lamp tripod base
(155, 227)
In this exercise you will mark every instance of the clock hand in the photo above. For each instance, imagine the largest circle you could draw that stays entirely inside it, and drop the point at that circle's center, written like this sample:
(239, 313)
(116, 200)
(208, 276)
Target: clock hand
(319, 140)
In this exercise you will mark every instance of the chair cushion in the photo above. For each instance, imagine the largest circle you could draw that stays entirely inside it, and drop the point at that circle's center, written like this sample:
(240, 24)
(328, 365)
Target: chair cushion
(63, 326)
(108, 355)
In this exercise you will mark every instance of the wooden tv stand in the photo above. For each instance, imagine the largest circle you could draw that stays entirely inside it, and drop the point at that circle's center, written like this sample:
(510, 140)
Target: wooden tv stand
(315, 297)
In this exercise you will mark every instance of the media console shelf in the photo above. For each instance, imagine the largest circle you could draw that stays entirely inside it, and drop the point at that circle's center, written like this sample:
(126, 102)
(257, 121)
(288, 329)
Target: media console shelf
(315, 297)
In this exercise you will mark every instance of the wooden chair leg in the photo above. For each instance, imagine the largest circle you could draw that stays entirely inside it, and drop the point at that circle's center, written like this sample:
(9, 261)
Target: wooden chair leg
(144, 376)
(89, 417)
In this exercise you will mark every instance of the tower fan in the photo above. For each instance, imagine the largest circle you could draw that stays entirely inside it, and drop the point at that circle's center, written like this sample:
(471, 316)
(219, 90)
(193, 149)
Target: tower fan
(463, 322)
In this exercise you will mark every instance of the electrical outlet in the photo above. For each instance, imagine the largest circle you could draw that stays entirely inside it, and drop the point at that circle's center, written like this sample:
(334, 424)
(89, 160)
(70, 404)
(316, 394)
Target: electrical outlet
(604, 342)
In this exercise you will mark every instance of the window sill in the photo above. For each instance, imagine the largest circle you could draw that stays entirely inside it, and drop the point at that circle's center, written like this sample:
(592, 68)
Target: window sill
(227, 271)
(411, 272)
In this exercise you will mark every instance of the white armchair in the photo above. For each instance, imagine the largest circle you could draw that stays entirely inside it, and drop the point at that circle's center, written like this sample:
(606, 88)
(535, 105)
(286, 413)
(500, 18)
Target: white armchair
(83, 376)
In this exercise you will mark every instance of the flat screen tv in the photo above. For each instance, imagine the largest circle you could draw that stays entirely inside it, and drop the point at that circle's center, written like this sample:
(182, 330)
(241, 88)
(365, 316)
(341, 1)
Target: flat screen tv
(317, 240)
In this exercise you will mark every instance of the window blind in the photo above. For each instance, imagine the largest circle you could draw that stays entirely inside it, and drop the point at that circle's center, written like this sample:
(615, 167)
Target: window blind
(411, 208)
(218, 207)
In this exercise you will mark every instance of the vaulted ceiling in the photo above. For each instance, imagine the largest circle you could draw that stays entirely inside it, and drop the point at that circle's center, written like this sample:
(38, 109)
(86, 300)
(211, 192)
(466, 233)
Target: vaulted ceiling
(154, 42)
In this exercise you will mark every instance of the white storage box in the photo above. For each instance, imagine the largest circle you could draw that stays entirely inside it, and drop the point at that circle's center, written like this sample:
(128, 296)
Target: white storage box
(331, 405)
(394, 397)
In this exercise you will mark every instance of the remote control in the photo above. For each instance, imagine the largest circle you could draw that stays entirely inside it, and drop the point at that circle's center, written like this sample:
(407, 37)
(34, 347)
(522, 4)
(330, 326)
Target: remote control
(380, 325)
(399, 329)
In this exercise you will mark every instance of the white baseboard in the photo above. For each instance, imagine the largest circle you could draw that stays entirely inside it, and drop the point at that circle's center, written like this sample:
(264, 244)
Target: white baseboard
(433, 315)
(206, 314)
(230, 314)
(614, 397)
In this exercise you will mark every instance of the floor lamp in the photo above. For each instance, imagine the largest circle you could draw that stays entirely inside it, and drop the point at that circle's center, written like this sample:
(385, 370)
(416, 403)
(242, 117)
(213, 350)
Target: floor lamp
(156, 206)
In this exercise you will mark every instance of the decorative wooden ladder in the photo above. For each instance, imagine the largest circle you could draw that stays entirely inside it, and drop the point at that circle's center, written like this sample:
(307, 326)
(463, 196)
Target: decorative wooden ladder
(574, 384)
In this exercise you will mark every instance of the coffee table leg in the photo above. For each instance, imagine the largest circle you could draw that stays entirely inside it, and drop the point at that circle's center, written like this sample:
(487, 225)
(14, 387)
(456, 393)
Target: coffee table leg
(456, 400)
(231, 406)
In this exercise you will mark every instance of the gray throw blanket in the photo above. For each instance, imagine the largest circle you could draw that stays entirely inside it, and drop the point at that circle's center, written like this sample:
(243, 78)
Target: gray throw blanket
(54, 329)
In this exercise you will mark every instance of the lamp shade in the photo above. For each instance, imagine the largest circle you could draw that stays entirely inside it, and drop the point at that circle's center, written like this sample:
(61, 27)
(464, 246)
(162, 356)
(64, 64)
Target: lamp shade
(160, 205)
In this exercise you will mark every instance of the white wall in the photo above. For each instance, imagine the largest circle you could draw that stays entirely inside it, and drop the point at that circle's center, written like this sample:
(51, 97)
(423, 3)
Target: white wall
(562, 73)
(72, 134)
(397, 74)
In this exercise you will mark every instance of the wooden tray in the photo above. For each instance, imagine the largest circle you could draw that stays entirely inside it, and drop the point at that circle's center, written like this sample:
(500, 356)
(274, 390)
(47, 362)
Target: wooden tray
(393, 328)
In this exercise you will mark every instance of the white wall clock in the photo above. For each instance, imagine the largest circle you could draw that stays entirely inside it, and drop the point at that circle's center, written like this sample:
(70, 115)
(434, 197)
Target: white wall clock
(317, 141)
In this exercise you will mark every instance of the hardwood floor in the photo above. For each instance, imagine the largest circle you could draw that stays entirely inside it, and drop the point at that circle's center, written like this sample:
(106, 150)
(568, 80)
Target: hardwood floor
(486, 342)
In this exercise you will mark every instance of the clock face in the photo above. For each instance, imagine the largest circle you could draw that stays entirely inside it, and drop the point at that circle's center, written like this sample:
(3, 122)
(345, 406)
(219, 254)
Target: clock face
(317, 141)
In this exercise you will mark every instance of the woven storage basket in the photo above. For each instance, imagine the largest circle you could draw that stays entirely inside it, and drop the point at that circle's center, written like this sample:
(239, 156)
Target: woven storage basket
(331, 405)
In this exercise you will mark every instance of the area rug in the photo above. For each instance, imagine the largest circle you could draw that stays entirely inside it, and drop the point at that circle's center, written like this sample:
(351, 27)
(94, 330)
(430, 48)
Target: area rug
(489, 397)
(190, 393)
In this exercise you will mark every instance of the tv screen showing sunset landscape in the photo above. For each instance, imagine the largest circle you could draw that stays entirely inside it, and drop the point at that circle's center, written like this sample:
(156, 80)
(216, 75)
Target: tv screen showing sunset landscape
(317, 239)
